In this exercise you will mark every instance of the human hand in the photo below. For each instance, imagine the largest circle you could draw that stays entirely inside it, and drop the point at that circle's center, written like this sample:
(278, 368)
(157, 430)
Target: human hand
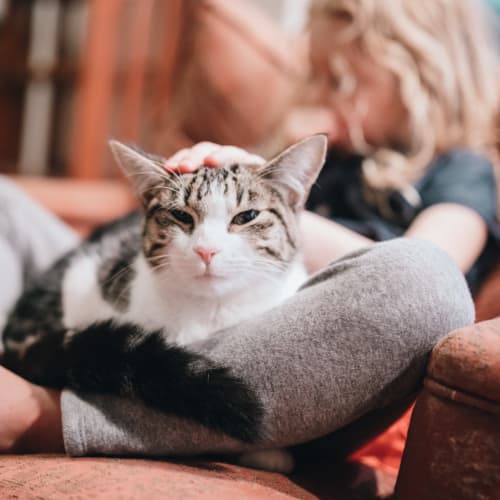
(30, 416)
(209, 154)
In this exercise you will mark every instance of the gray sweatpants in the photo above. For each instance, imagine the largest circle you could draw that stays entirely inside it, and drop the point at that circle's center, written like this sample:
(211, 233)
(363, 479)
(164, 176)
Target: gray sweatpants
(342, 358)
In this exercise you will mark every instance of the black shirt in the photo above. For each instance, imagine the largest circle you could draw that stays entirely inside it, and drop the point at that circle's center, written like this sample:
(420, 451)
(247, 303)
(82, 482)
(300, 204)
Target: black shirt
(459, 176)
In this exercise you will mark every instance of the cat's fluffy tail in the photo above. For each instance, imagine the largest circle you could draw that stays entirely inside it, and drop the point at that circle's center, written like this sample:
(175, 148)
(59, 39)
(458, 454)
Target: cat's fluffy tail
(125, 360)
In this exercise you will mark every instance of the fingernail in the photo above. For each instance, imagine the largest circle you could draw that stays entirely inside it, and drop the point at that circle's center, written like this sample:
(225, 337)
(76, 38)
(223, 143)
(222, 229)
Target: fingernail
(211, 162)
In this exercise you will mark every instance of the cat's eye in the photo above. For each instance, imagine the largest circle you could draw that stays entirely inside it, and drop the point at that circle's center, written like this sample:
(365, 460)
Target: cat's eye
(182, 216)
(245, 217)
(161, 217)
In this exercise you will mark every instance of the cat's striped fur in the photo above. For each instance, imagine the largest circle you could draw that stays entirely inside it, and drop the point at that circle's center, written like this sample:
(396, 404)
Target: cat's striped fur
(209, 249)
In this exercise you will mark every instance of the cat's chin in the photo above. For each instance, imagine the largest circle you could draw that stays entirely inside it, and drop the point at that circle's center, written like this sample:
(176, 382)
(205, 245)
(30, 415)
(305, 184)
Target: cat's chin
(211, 280)
(212, 285)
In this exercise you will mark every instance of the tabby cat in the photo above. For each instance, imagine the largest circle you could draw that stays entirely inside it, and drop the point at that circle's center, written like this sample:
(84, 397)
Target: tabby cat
(209, 249)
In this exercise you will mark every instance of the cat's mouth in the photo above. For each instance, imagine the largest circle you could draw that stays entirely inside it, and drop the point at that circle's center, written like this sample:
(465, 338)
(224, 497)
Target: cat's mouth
(209, 276)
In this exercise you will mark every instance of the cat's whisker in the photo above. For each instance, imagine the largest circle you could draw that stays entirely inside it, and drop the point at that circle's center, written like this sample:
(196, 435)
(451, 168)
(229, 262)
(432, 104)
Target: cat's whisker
(158, 257)
(163, 255)
(125, 289)
(269, 277)
(279, 266)
(117, 275)
(256, 270)
(157, 260)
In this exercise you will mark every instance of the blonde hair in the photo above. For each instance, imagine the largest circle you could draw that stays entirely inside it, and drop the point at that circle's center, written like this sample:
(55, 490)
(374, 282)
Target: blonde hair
(448, 74)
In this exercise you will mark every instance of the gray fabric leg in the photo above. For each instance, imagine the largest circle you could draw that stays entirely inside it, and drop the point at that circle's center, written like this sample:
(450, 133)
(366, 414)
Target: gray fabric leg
(353, 341)
(12, 280)
(31, 238)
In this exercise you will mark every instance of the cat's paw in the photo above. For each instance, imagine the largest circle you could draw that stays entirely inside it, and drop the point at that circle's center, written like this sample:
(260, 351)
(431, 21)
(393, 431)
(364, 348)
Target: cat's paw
(274, 460)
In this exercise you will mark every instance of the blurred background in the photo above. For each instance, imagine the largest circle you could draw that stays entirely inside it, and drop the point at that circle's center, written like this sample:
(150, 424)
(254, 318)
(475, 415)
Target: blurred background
(160, 73)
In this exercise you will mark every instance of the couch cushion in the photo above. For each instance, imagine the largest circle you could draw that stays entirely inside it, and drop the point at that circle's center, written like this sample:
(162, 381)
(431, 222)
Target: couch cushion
(54, 476)
(468, 360)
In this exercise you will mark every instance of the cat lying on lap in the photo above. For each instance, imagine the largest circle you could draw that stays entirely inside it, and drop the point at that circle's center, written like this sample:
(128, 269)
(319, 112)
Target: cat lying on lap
(210, 249)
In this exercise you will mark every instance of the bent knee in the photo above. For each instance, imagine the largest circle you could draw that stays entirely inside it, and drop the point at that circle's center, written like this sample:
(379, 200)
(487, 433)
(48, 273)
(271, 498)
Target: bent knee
(427, 274)
(9, 191)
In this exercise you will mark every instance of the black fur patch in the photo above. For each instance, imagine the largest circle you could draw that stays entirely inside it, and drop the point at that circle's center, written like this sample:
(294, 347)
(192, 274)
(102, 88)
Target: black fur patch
(37, 316)
(272, 252)
(281, 219)
(123, 359)
(118, 245)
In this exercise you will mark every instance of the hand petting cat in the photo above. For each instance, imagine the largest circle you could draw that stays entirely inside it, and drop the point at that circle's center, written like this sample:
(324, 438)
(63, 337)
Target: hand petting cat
(211, 155)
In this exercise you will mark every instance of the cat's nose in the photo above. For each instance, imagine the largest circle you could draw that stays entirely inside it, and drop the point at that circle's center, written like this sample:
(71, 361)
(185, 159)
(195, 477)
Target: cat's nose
(206, 254)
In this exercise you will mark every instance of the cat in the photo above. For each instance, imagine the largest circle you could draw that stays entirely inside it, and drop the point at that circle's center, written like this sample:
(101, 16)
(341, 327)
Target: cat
(208, 250)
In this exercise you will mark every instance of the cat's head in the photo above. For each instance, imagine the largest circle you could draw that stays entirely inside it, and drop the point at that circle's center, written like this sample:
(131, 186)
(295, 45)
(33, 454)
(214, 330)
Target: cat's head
(220, 230)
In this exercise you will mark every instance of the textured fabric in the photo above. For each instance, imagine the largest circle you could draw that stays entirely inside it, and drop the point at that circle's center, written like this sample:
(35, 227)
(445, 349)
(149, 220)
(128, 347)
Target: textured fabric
(459, 176)
(59, 477)
(12, 280)
(353, 341)
(453, 448)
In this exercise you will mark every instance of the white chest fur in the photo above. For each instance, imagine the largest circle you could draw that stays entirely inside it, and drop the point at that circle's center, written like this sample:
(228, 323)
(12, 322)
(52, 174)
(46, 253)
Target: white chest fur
(187, 317)
(81, 295)
(183, 317)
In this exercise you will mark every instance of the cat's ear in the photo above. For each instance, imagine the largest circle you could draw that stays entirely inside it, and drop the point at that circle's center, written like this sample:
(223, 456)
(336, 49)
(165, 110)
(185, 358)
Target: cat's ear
(143, 171)
(297, 167)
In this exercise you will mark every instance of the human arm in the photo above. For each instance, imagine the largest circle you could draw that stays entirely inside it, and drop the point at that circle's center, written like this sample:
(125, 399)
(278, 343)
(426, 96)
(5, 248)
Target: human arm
(30, 416)
(459, 230)
(459, 205)
(324, 241)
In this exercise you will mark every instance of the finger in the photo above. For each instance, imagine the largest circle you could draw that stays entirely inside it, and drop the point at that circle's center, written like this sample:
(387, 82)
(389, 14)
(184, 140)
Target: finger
(209, 161)
(204, 146)
(232, 154)
(197, 155)
(189, 159)
(173, 161)
(185, 153)
(170, 169)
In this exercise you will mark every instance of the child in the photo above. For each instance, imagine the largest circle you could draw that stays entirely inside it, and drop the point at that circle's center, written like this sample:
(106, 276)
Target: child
(402, 84)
